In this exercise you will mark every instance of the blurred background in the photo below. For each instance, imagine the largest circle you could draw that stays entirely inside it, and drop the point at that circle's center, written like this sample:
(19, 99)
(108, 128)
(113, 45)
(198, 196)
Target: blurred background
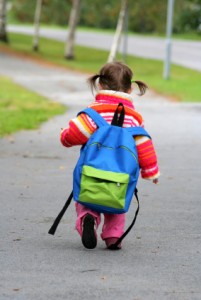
(159, 40)
(145, 16)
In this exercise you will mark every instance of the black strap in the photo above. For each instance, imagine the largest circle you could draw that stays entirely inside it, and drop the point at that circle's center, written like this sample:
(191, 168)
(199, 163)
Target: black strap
(60, 215)
(111, 247)
(118, 120)
(115, 245)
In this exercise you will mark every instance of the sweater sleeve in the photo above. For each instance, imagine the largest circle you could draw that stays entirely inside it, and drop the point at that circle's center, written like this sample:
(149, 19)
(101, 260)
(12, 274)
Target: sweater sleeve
(147, 158)
(79, 131)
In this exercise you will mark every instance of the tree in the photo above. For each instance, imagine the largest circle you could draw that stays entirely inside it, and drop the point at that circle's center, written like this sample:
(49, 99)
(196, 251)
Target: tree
(37, 25)
(189, 18)
(119, 30)
(73, 20)
(3, 32)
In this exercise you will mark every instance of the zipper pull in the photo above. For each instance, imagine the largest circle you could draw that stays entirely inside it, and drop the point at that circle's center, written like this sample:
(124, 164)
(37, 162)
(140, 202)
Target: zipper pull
(118, 184)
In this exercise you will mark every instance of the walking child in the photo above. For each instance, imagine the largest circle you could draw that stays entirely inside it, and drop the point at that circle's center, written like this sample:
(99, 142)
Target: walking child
(113, 85)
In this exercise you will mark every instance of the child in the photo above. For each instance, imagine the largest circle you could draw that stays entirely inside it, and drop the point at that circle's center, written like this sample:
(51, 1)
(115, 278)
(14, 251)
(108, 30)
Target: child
(113, 85)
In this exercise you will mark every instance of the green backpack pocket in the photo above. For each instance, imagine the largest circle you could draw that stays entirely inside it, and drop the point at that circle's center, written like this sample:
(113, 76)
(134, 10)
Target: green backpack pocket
(109, 187)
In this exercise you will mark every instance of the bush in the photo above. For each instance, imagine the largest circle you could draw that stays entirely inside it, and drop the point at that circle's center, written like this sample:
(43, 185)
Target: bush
(189, 18)
(144, 16)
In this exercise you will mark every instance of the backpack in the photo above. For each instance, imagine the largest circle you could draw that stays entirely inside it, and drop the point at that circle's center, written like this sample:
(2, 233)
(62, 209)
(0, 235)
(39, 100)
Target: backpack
(107, 171)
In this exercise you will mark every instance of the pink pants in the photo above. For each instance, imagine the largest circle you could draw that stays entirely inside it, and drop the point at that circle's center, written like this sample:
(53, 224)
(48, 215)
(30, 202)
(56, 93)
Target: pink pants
(113, 223)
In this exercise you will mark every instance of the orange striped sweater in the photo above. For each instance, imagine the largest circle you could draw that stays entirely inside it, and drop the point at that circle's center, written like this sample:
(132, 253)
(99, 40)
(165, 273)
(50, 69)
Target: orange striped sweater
(82, 127)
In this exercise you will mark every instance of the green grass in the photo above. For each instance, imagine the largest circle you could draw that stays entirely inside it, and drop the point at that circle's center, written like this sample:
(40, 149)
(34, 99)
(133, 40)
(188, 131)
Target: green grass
(184, 84)
(22, 109)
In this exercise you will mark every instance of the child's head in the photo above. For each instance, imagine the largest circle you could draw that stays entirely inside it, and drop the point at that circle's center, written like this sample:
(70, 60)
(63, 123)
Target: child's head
(116, 76)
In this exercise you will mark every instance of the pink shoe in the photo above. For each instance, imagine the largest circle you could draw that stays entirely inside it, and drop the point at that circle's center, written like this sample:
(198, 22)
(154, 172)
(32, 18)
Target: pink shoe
(110, 243)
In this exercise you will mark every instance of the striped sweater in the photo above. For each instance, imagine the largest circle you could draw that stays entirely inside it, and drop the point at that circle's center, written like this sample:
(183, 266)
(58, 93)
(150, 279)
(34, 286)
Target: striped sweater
(82, 127)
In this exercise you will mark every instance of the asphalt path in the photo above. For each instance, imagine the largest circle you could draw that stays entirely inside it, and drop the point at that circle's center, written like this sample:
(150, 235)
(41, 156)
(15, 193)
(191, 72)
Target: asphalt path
(160, 258)
(184, 53)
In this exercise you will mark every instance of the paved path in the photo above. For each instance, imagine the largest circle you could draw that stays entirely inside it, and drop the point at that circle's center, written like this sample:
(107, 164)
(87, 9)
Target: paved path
(184, 53)
(160, 259)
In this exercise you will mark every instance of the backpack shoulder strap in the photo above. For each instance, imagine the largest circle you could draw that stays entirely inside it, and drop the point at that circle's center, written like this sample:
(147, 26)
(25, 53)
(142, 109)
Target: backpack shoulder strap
(60, 215)
(96, 117)
(118, 118)
(138, 130)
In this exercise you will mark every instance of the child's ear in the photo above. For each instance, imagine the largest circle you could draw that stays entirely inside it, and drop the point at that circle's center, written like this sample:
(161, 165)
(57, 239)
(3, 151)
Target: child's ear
(130, 90)
(100, 86)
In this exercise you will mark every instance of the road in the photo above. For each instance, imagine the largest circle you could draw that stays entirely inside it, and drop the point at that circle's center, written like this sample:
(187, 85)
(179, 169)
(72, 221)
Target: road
(160, 258)
(184, 53)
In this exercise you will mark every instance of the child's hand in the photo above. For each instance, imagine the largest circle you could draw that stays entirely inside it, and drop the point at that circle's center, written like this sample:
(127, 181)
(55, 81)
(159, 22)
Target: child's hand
(62, 130)
(155, 181)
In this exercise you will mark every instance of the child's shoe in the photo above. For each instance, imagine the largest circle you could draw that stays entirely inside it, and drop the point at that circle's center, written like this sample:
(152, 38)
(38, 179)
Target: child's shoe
(89, 238)
(110, 243)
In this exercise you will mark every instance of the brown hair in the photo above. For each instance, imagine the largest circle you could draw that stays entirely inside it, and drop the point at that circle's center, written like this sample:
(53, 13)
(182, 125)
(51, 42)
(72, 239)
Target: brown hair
(116, 76)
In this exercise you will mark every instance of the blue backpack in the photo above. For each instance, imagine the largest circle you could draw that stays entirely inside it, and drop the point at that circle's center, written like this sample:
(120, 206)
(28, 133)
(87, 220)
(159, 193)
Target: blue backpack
(107, 171)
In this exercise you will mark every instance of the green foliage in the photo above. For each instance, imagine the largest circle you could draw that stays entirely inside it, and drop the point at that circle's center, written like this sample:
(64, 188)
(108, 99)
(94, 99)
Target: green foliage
(144, 16)
(147, 16)
(53, 11)
(190, 17)
(100, 14)
(22, 109)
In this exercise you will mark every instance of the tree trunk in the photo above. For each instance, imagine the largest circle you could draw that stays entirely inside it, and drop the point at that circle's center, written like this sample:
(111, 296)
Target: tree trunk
(37, 25)
(119, 30)
(3, 33)
(73, 20)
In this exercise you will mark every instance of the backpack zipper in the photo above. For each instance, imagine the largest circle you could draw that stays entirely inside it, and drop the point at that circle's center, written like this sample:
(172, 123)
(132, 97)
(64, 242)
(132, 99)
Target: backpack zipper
(100, 145)
(123, 147)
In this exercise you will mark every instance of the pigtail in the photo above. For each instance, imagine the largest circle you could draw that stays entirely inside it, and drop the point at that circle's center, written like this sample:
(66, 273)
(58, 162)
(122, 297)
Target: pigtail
(142, 87)
(92, 82)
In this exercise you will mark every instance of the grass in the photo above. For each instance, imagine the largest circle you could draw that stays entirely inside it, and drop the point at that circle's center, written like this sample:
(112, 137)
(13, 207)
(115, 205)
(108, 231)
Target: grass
(184, 84)
(22, 109)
